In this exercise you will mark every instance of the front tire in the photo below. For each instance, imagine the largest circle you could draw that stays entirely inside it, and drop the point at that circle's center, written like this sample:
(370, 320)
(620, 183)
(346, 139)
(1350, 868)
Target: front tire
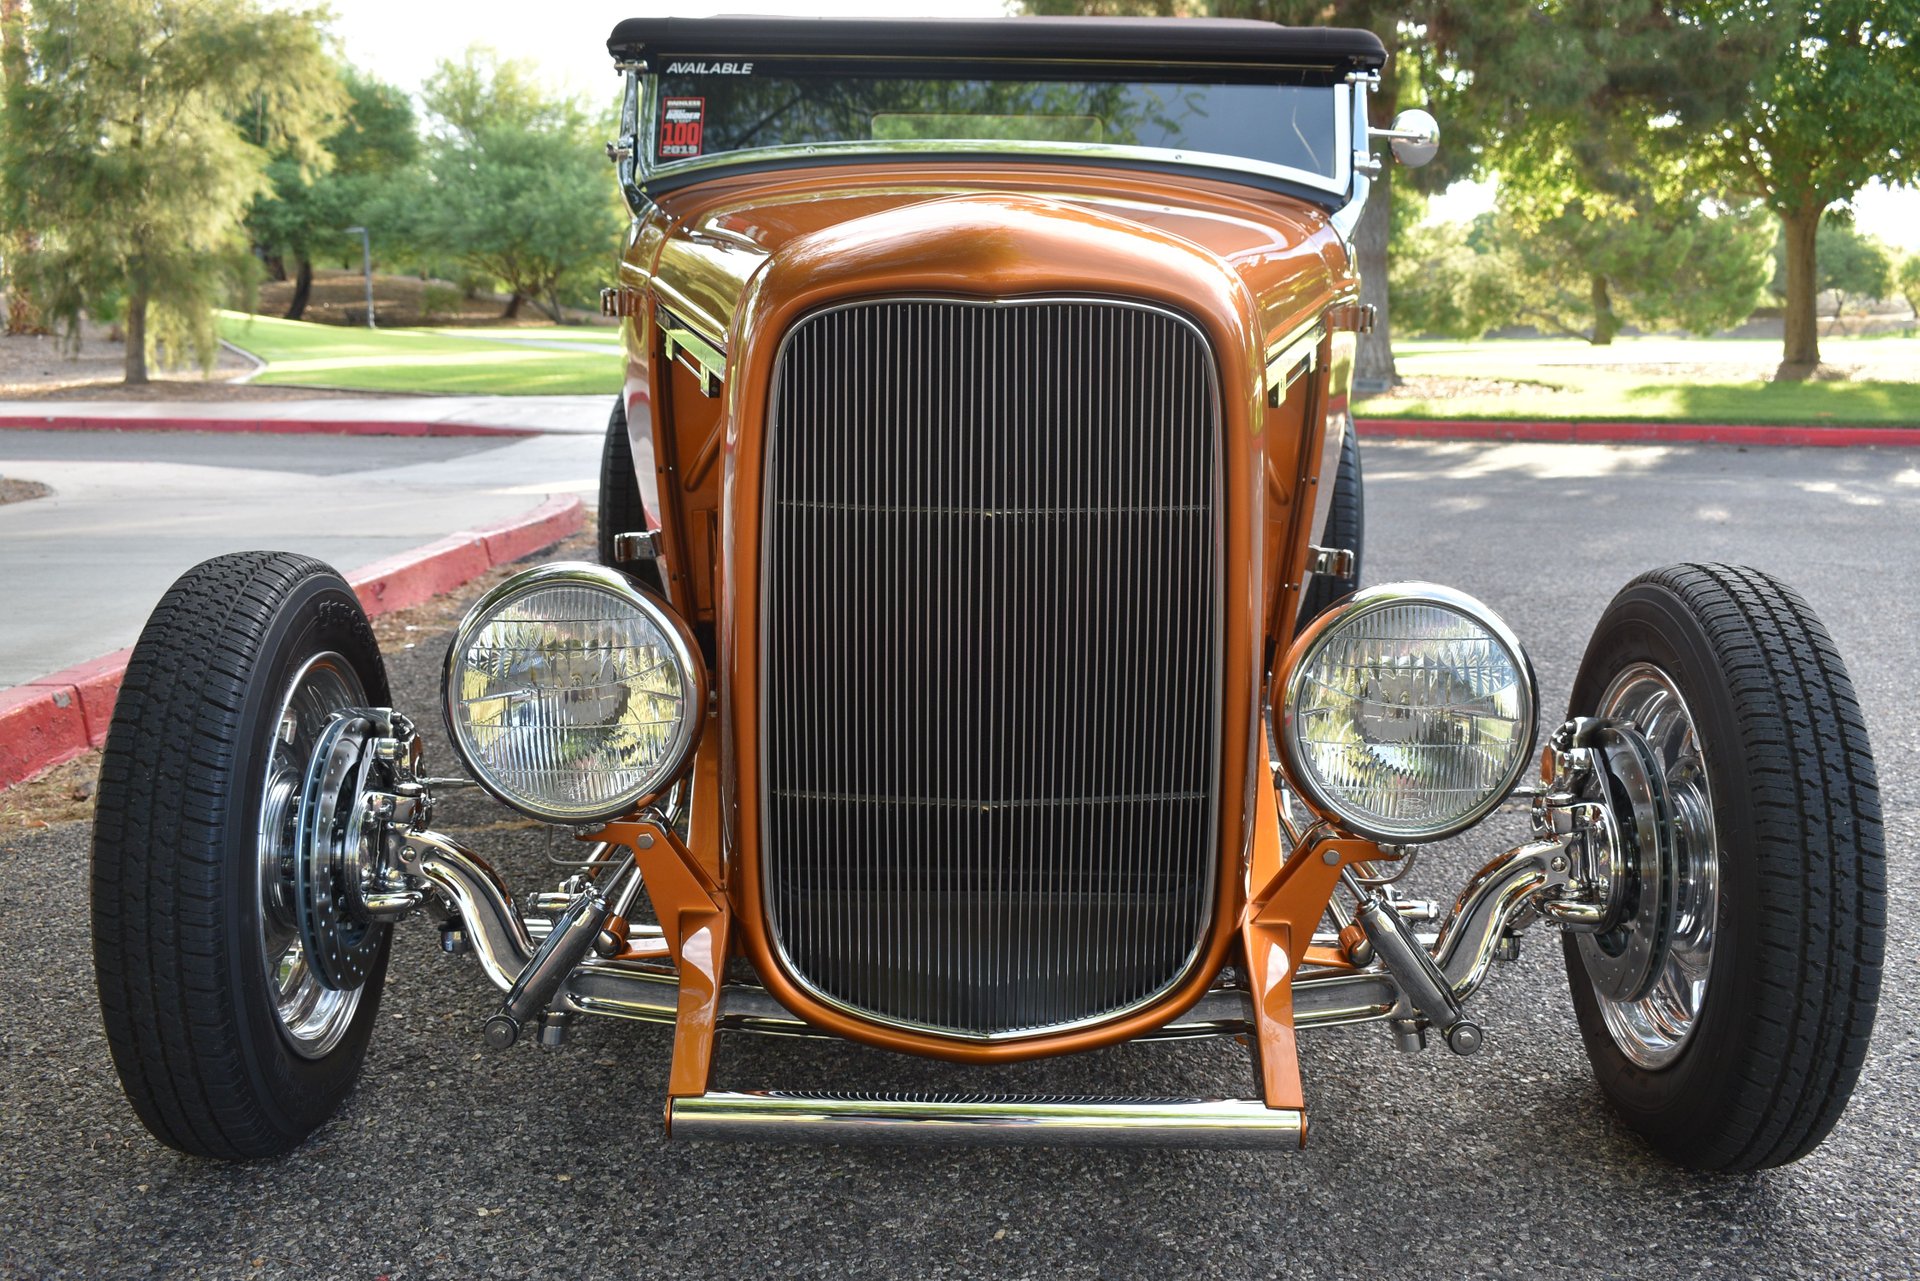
(1743, 1053)
(622, 510)
(227, 1043)
(1346, 527)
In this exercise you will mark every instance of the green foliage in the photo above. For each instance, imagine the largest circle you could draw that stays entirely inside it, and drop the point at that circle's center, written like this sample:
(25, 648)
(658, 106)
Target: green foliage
(121, 149)
(304, 215)
(1908, 279)
(1590, 265)
(1443, 285)
(481, 91)
(1833, 106)
(517, 189)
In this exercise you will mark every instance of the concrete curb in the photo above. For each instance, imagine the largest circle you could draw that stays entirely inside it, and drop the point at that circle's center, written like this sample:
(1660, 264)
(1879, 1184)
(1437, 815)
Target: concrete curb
(1628, 433)
(65, 714)
(268, 426)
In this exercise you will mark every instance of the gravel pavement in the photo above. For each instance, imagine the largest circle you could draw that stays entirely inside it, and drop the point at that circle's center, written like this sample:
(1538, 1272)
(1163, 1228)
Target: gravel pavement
(453, 1162)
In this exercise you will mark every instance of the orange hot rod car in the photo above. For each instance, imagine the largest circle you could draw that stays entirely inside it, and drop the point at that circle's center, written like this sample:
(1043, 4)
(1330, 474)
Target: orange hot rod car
(977, 665)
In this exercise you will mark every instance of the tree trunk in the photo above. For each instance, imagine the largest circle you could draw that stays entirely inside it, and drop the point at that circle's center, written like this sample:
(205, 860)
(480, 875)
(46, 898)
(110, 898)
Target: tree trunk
(1801, 355)
(513, 307)
(302, 289)
(1373, 369)
(1605, 323)
(136, 338)
(23, 313)
(276, 267)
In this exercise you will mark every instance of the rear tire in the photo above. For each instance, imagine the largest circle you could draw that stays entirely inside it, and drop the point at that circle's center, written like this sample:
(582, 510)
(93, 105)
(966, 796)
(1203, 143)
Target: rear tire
(622, 510)
(1346, 527)
(1761, 1069)
(218, 1058)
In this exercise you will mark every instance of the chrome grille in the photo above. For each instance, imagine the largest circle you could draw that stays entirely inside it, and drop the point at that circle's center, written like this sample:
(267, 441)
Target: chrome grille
(990, 659)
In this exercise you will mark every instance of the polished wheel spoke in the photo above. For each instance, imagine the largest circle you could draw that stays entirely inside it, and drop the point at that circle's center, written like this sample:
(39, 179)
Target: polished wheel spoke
(1652, 1030)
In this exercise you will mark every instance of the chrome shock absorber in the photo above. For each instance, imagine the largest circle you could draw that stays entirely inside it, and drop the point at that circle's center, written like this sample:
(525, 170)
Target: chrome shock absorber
(573, 933)
(1413, 967)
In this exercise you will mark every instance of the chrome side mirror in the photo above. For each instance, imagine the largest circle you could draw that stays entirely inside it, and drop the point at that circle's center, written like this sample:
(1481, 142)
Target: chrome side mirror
(1415, 137)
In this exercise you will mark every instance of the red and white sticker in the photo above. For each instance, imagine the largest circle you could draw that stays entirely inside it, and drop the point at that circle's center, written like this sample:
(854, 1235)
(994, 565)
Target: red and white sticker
(682, 121)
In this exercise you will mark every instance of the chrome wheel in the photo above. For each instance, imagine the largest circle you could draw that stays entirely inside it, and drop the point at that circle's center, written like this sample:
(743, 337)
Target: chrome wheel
(312, 1016)
(1652, 1026)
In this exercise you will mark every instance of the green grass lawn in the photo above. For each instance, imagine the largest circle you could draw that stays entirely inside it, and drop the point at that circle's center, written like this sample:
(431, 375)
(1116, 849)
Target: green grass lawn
(549, 360)
(1686, 380)
(1717, 381)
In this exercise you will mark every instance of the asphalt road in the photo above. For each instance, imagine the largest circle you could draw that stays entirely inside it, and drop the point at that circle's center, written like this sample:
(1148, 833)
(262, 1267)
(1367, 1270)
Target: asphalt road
(454, 1162)
(131, 509)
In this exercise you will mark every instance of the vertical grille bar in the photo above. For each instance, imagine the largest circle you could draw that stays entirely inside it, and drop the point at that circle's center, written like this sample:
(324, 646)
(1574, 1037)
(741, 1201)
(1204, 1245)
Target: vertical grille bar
(991, 605)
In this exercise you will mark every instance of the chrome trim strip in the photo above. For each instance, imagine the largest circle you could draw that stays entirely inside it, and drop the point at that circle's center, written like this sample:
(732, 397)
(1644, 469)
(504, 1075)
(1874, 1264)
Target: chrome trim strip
(1291, 359)
(958, 148)
(778, 1116)
(686, 345)
(1218, 587)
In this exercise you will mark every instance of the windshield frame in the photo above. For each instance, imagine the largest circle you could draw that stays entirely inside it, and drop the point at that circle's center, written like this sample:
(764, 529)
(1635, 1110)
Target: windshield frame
(639, 124)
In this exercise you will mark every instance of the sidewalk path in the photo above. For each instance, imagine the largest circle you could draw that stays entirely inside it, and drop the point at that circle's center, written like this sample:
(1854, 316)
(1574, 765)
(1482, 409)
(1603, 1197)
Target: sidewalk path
(348, 415)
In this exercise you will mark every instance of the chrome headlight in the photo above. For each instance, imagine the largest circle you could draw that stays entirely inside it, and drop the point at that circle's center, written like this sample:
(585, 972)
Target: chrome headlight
(571, 696)
(1407, 712)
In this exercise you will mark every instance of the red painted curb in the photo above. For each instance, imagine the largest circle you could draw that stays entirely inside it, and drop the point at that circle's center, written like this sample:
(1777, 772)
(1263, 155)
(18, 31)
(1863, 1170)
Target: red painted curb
(1603, 433)
(415, 575)
(58, 717)
(41, 725)
(257, 426)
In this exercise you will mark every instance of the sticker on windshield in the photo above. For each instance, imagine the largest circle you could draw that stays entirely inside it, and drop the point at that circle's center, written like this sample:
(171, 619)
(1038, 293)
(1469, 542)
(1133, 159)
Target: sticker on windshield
(682, 120)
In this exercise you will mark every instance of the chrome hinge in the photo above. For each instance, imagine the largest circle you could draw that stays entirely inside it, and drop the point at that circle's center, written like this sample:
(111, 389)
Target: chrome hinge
(1334, 561)
(620, 301)
(620, 148)
(642, 544)
(1352, 317)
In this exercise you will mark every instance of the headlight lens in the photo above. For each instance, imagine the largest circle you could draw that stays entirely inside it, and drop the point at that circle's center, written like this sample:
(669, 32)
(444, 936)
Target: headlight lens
(570, 695)
(1408, 712)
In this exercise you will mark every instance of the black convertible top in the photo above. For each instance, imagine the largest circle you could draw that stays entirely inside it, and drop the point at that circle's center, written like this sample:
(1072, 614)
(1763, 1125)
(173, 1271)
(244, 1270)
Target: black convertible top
(1159, 40)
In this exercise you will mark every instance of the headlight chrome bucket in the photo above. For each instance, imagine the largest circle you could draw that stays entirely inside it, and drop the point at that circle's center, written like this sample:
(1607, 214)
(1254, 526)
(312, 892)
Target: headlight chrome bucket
(572, 695)
(1406, 713)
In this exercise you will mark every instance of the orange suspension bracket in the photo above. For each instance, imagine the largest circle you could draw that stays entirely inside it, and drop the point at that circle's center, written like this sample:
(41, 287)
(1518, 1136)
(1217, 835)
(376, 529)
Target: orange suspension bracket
(695, 918)
(1287, 896)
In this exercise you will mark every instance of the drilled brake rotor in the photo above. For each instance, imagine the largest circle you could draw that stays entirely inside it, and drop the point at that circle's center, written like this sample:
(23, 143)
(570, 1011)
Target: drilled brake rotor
(1625, 960)
(337, 836)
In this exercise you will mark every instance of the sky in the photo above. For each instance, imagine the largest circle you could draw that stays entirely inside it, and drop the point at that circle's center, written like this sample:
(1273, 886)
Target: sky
(400, 40)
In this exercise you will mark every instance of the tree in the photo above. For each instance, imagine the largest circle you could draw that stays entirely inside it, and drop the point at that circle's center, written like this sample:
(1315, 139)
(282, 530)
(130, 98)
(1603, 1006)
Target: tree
(482, 91)
(518, 188)
(123, 148)
(1587, 264)
(1492, 71)
(1909, 281)
(1449, 282)
(1835, 106)
(23, 314)
(305, 213)
(1847, 264)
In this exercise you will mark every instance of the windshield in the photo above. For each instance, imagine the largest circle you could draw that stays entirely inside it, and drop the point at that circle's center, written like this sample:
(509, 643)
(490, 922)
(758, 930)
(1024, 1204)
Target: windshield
(714, 107)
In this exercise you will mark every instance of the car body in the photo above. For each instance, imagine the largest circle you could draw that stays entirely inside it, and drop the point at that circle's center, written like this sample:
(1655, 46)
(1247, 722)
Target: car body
(977, 668)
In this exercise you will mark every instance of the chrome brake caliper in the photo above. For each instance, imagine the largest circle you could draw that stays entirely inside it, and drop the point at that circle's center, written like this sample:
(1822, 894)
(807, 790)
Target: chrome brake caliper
(345, 886)
(1609, 797)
